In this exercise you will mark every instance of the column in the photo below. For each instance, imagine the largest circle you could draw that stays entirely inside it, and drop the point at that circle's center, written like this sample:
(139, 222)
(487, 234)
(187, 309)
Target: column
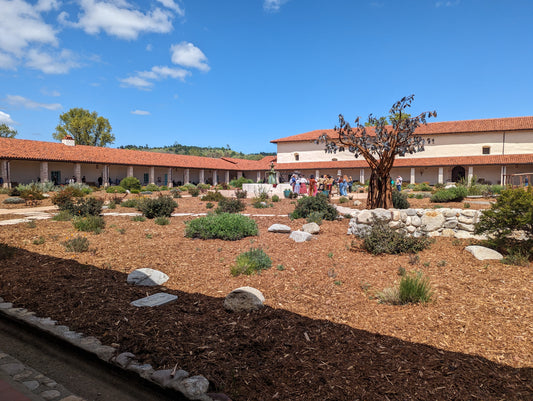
(470, 174)
(339, 172)
(226, 177)
(239, 174)
(5, 174)
(186, 175)
(277, 177)
(317, 174)
(152, 175)
(130, 171)
(105, 175)
(77, 172)
(441, 175)
(258, 177)
(169, 178)
(215, 177)
(362, 176)
(413, 176)
(43, 171)
(503, 173)
(201, 179)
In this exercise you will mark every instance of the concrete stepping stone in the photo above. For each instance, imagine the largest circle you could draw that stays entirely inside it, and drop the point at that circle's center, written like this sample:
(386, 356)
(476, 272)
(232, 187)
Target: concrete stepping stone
(147, 277)
(161, 298)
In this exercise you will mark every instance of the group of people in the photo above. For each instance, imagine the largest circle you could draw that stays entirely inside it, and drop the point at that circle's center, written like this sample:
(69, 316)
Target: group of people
(301, 185)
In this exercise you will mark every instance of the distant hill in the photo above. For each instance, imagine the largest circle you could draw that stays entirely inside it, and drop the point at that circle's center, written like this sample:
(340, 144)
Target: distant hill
(217, 152)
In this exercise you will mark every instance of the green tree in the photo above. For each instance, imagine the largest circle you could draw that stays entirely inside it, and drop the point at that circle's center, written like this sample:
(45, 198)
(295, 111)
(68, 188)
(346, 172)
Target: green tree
(87, 128)
(7, 132)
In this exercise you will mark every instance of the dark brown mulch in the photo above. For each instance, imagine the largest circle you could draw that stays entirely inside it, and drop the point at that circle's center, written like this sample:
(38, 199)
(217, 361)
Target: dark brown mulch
(269, 354)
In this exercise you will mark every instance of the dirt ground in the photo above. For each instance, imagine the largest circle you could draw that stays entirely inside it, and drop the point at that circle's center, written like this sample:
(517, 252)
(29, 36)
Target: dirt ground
(322, 334)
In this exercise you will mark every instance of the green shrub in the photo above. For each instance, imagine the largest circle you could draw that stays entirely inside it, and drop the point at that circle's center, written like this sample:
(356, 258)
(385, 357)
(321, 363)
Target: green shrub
(454, 194)
(90, 206)
(62, 215)
(93, 224)
(383, 239)
(240, 194)
(135, 191)
(230, 205)
(399, 200)
(32, 224)
(259, 203)
(47, 186)
(162, 221)
(423, 187)
(130, 203)
(226, 226)
(251, 262)
(163, 188)
(138, 218)
(6, 251)
(151, 188)
(112, 205)
(162, 206)
(80, 187)
(343, 199)
(413, 288)
(78, 244)
(130, 183)
(309, 204)
(31, 194)
(13, 200)
(203, 187)
(213, 196)
(516, 257)
(419, 196)
(39, 241)
(315, 217)
(194, 191)
(209, 205)
(275, 198)
(513, 211)
(115, 189)
(14, 192)
(237, 183)
(176, 193)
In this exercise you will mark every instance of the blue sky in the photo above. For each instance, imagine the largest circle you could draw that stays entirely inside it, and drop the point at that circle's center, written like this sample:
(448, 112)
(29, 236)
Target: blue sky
(244, 72)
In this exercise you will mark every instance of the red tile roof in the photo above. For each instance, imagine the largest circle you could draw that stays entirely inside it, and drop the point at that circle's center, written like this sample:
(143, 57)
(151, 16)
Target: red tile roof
(22, 149)
(445, 127)
(414, 162)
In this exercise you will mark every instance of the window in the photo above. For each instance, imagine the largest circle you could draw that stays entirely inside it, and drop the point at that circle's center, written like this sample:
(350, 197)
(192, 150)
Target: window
(296, 156)
(486, 150)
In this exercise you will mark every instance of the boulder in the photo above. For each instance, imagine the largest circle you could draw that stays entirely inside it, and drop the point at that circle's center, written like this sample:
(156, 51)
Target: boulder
(311, 228)
(279, 228)
(300, 236)
(483, 253)
(147, 277)
(244, 299)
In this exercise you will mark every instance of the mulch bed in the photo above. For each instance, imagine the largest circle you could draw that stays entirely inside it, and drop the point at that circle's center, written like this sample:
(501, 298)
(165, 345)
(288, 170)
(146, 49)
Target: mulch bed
(322, 335)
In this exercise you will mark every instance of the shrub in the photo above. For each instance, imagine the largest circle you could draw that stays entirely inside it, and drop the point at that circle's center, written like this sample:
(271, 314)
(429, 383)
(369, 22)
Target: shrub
(423, 187)
(194, 191)
(115, 189)
(84, 207)
(343, 199)
(31, 194)
(315, 217)
(259, 203)
(138, 218)
(130, 183)
(62, 215)
(383, 239)
(251, 262)
(240, 194)
(162, 221)
(6, 251)
(130, 203)
(413, 288)
(237, 183)
(203, 187)
(176, 193)
(14, 192)
(209, 205)
(112, 205)
(80, 187)
(213, 196)
(151, 188)
(135, 191)
(226, 226)
(454, 194)
(512, 212)
(262, 194)
(230, 206)
(78, 244)
(162, 206)
(163, 188)
(275, 198)
(309, 204)
(13, 200)
(399, 200)
(89, 224)
(516, 257)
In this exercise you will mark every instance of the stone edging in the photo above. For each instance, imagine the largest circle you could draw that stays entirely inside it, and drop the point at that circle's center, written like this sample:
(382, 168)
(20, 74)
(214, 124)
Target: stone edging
(192, 387)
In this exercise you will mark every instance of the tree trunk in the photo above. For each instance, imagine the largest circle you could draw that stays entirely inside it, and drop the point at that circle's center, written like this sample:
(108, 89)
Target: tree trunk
(379, 191)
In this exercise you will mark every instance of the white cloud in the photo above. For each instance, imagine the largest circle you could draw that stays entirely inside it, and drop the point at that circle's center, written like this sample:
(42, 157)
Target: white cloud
(47, 5)
(47, 92)
(149, 47)
(172, 5)
(119, 18)
(16, 100)
(447, 3)
(59, 63)
(7, 62)
(5, 118)
(144, 79)
(140, 112)
(273, 5)
(188, 55)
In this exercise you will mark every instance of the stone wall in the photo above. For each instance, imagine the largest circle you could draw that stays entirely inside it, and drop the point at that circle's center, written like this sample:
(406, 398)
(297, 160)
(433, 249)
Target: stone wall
(458, 223)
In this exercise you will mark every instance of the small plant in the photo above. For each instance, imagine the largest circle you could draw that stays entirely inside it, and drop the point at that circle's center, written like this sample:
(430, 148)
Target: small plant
(454, 194)
(399, 200)
(226, 226)
(401, 271)
(77, 244)
(162, 206)
(457, 242)
(93, 224)
(213, 196)
(130, 183)
(162, 221)
(209, 205)
(275, 198)
(112, 205)
(330, 255)
(39, 241)
(151, 188)
(230, 206)
(426, 264)
(130, 203)
(383, 239)
(343, 199)
(309, 204)
(239, 181)
(62, 215)
(84, 206)
(466, 205)
(337, 282)
(13, 200)
(280, 267)
(414, 259)
(176, 193)
(138, 218)
(6, 251)
(442, 263)
(251, 262)
(315, 217)
(115, 189)
(259, 203)
(347, 216)
(413, 288)
(149, 236)
(31, 224)
(240, 194)
(194, 191)
(516, 257)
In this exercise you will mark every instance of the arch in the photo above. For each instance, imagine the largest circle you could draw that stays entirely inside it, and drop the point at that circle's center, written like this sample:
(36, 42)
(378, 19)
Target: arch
(458, 173)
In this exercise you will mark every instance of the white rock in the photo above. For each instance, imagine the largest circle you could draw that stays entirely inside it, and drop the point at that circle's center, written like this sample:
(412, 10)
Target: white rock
(432, 220)
(483, 253)
(311, 228)
(300, 236)
(448, 232)
(357, 203)
(365, 217)
(147, 277)
(194, 387)
(244, 299)
(279, 228)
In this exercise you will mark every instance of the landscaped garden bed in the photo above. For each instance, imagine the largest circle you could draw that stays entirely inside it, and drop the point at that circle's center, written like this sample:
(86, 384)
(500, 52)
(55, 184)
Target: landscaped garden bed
(322, 335)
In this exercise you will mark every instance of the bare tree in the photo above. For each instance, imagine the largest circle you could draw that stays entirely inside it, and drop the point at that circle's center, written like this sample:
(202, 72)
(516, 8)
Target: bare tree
(379, 144)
